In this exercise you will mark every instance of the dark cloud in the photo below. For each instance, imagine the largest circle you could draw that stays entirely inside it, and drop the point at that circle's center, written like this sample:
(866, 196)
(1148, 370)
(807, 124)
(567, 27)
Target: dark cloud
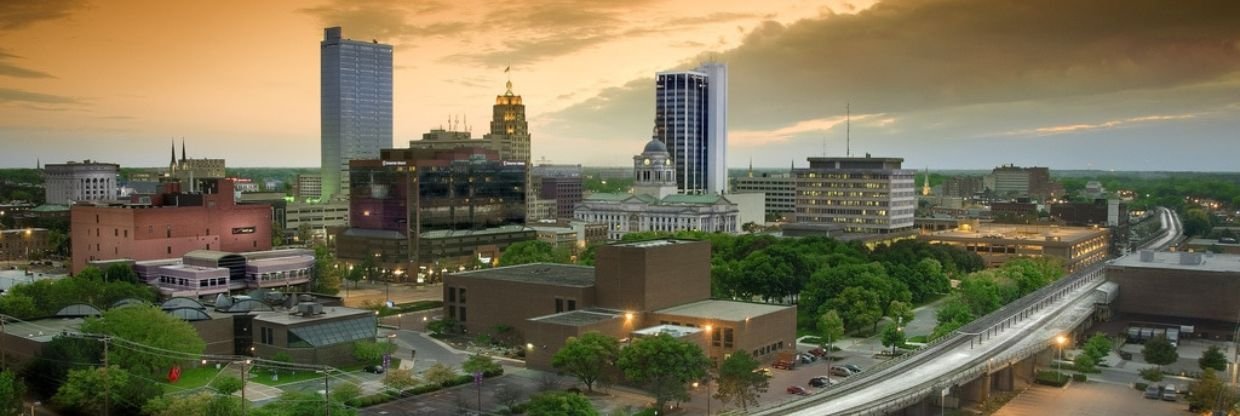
(15, 14)
(904, 56)
(9, 95)
(8, 69)
(385, 20)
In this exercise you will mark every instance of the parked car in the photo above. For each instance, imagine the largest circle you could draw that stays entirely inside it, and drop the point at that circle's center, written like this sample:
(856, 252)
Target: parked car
(821, 381)
(377, 369)
(1170, 394)
(853, 367)
(765, 371)
(806, 358)
(840, 371)
(1153, 392)
(797, 390)
(784, 364)
(818, 352)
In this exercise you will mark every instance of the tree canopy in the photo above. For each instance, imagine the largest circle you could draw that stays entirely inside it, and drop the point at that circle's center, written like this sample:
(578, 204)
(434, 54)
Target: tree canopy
(533, 251)
(1213, 358)
(587, 357)
(90, 390)
(52, 365)
(1159, 351)
(664, 365)
(150, 327)
(985, 291)
(92, 286)
(560, 404)
(11, 391)
(740, 382)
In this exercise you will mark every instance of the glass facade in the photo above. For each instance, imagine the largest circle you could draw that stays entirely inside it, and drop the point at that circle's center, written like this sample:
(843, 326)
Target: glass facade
(471, 194)
(331, 333)
(691, 120)
(355, 106)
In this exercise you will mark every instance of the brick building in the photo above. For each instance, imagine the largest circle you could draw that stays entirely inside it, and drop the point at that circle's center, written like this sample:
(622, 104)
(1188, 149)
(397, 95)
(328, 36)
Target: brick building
(168, 225)
(1181, 288)
(23, 244)
(658, 286)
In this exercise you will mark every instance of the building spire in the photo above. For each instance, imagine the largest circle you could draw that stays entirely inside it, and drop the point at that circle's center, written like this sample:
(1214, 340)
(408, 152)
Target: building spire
(925, 184)
(183, 149)
(173, 163)
(751, 166)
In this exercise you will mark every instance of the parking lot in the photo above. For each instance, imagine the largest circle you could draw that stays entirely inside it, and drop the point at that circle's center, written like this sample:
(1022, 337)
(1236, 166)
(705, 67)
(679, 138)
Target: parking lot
(1089, 399)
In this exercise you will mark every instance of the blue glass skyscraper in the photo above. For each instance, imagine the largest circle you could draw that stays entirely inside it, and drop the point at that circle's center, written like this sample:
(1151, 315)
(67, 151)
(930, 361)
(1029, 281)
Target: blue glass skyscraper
(355, 106)
(691, 116)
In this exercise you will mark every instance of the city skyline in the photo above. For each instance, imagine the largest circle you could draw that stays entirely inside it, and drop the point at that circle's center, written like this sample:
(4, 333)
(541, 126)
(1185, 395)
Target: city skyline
(949, 84)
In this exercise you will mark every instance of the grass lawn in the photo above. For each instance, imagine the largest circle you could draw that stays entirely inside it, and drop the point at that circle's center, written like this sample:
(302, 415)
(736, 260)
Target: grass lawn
(263, 375)
(191, 378)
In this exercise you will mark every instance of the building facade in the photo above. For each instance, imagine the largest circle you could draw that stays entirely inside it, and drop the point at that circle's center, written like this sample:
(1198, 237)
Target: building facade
(355, 106)
(963, 186)
(1181, 288)
(309, 186)
(87, 180)
(654, 204)
(1076, 247)
(189, 171)
(691, 115)
(316, 218)
(561, 183)
(780, 192)
(866, 195)
(168, 225)
(635, 289)
(1010, 181)
(23, 244)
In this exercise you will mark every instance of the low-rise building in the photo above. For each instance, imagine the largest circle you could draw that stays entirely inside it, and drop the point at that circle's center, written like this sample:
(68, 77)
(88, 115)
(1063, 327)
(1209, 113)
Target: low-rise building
(1193, 289)
(203, 274)
(309, 186)
(23, 244)
(87, 180)
(1076, 247)
(634, 289)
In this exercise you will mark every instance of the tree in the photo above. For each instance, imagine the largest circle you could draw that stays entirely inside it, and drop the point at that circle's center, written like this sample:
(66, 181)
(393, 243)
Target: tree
(1213, 358)
(665, 365)
(587, 357)
(61, 355)
(900, 312)
(370, 352)
(89, 391)
(1084, 363)
(277, 235)
(954, 313)
(1098, 347)
(533, 251)
(295, 403)
(560, 404)
(1159, 351)
(831, 329)
(893, 337)
(1151, 374)
(1211, 393)
(304, 233)
(479, 363)
(199, 404)
(119, 272)
(327, 274)
(11, 391)
(445, 327)
(151, 327)
(859, 307)
(347, 392)
(226, 385)
(399, 379)
(18, 306)
(440, 374)
(740, 382)
(1196, 222)
(508, 395)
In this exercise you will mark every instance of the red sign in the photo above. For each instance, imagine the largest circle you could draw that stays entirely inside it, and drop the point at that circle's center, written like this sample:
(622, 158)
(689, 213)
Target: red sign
(174, 374)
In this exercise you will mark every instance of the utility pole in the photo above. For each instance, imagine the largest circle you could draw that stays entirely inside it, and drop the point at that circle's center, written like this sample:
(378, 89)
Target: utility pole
(327, 394)
(107, 390)
(243, 371)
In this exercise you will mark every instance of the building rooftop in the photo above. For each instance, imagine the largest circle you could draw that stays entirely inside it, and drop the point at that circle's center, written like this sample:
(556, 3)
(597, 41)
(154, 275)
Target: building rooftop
(539, 273)
(655, 243)
(465, 233)
(724, 310)
(290, 318)
(1210, 242)
(693, 199)
(579, 317)
(42, 330)
(1217, 263)
(673, 330)
(1020, 232)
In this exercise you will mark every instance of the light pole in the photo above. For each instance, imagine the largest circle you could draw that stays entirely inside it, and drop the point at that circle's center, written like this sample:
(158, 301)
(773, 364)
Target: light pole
(709, 350)
(899, 321)
(1060, 341)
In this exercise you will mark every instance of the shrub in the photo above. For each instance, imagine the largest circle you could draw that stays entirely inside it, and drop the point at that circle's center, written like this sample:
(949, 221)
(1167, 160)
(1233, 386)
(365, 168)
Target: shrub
(424, 388)
(1140, 386)
(1125, 355)
(1052, 378)
(1078, 377)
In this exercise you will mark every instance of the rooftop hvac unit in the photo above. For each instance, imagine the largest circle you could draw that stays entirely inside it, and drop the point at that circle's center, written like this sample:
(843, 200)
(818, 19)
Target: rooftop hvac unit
(1190, 259)
(1147, 256)
(309, 309)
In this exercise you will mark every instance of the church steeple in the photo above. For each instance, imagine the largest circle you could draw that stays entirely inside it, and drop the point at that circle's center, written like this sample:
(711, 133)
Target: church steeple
(183, 150)
(925, 184)
(172, 163)
(751, 166)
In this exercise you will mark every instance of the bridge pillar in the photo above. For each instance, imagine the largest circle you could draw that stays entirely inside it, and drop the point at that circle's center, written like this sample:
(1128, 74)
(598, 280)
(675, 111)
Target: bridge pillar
(1024, 372)
(976, 391)
(921, 408)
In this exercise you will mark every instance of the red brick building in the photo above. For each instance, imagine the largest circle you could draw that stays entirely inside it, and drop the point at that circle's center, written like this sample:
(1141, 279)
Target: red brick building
(169, 225)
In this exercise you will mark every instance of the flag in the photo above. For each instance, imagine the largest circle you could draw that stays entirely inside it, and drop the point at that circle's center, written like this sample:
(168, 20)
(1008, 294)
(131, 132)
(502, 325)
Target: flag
(507, 68)
(174, 374)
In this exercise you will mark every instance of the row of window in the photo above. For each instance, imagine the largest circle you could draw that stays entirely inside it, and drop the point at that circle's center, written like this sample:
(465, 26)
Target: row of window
(768, 349)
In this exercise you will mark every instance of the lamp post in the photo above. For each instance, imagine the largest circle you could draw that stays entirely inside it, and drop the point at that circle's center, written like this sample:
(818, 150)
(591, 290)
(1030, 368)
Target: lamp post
(709, 350)
(1060, 341)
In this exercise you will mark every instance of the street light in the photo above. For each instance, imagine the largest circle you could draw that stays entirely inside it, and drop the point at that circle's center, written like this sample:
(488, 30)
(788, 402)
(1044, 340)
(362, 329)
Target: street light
(1060, 341)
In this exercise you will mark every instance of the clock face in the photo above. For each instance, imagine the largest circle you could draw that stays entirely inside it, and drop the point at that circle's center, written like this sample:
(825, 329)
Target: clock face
(647, 162)
(667, 162)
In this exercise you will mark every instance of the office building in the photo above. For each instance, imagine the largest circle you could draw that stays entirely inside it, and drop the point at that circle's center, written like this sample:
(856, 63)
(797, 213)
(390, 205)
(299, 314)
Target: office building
(168, 225)
(691, 119)
(635, 289)
(80, 181)
(778, 190)
(1076, 247)
(203, 274)
(309, 186)
(1010, 181)
(1112, 214)
(431, 208)
(355, 106)
(576, 235)
(509, 130)
(963, 186)
(560, 183)
(864, 194)
(314, 218)
(654, 204)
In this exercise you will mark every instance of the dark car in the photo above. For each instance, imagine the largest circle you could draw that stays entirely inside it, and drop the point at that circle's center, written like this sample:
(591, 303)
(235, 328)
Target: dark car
(377, 369)
(1153, 392)
(797, 390)
(818, 352)
(853, 367)
(821, 381)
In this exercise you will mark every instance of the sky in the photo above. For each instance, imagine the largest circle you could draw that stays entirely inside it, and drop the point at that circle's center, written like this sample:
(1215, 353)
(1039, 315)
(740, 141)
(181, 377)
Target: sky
(945, 84)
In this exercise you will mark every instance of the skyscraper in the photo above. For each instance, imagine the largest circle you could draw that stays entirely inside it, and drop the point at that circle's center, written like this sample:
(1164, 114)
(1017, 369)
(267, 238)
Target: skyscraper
(508, 127)
(691, 117)
(355, 106)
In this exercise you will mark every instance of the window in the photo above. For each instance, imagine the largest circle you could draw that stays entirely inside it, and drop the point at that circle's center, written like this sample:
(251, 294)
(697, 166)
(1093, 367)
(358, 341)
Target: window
(451, 294)
(727, 337)
(169, 249)
(559, 305)
(461, 314)
(462, 294)
(451, 312)
(714, 338)
(266, 336)
(572, 305)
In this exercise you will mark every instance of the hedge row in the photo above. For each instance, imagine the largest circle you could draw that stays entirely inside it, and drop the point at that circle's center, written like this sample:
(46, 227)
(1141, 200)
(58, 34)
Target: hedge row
(1052, 378)
(387, 396)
